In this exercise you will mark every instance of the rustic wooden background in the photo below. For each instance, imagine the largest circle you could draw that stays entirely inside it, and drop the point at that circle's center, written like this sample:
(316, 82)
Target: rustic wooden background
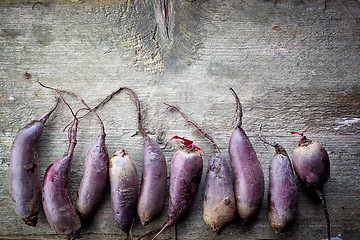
(294, 65)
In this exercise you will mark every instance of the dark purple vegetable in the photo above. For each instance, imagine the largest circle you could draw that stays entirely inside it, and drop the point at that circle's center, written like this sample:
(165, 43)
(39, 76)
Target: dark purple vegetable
(283, 195)
(58, 206)
(94, 178)
(186, 171)
(153, 182)
(312, 166)
(24, 170)
(93, 182)
(96, 170)
(219, 199)
(249, 176)
(124, 189)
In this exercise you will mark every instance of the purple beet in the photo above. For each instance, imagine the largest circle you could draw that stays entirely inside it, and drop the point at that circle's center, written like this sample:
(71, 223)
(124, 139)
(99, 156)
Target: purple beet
(95, 173)
(93, 182)
(58, 206)
(312, 166)
(153, 182)
(24, 170)
(219, 199)
(249, 176)
(186, 171)
(124, 189)
(283, 194)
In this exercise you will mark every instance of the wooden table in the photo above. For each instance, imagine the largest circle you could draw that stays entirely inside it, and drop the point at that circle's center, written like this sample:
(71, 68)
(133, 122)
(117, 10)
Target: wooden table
(294, 67)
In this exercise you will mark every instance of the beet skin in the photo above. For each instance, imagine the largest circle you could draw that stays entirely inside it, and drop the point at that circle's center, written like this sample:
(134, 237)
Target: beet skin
(58, 206)
(282, 197)
(94, 178)
(219, 200)
(249, 176)
(153, 182)
(24, 170)
(312, 166)
(283, 194)
(185, 177)
(124, 189)
(186, 172)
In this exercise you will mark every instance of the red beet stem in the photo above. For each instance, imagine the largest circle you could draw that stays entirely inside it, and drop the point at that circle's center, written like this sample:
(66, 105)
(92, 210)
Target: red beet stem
(301, 134)
(137, 102)
(175, 231)
(72, 137)
(151, 232)
(59, 92)
(88, 108)
(188, 143)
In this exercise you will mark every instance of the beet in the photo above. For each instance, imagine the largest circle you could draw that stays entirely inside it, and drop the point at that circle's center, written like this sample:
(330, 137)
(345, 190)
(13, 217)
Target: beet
(95, 173)
(124, 189)
(24, 170)
(312, 166)
(154, 176)
(93, 182)
(58, 207)
(185, 177)
(283, 194)
(249, 176)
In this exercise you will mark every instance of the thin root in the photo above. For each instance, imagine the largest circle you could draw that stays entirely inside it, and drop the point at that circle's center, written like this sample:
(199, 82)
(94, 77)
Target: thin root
(239, 113)
(195, 125)
(321, 195)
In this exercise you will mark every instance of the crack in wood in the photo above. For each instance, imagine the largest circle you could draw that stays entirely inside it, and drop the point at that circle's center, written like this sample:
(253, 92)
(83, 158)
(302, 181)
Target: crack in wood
(163, 16)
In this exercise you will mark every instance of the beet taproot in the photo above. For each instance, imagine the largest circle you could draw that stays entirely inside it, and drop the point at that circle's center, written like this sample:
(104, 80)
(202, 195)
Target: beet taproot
(124, 189)
(185, 177)
(24, 170)
(249, 176)
(282, 192)
(58, 207)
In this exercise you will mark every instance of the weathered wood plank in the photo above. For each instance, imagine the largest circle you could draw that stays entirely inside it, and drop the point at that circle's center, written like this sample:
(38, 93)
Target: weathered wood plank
(294, 68)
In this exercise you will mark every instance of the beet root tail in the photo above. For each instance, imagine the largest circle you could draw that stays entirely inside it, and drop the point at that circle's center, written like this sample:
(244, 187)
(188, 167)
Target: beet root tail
(167, 224)
(321, 195)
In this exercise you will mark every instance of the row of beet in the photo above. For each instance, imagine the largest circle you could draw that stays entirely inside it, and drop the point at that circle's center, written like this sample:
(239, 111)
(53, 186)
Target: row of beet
(221, 202)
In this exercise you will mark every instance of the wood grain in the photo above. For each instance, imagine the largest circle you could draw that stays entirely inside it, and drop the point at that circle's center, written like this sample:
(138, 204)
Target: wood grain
(294, 67)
